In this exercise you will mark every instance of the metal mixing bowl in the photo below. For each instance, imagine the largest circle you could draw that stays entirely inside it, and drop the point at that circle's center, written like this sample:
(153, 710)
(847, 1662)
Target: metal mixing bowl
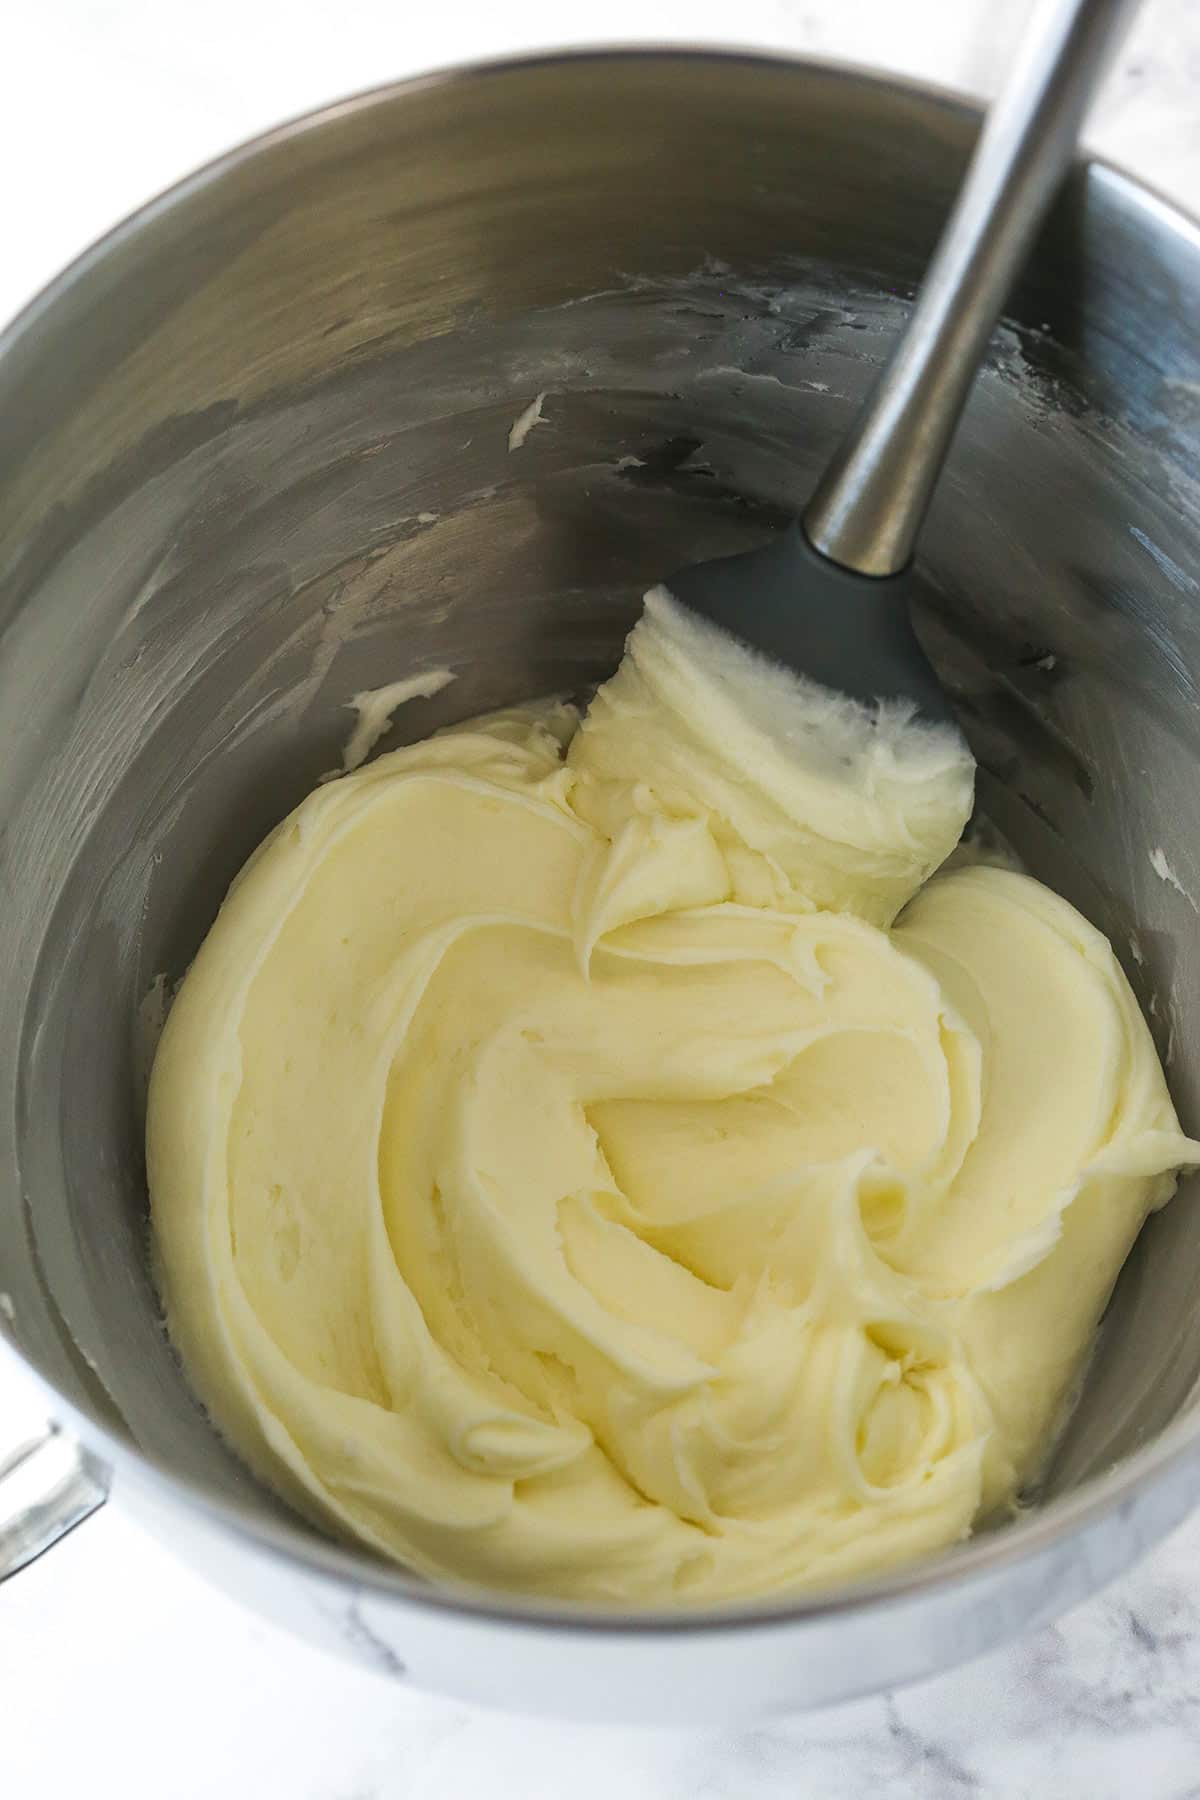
(254, 458)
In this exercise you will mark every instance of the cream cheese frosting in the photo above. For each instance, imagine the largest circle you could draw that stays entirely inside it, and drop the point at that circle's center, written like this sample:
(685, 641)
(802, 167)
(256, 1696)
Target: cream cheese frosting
(604, 1160)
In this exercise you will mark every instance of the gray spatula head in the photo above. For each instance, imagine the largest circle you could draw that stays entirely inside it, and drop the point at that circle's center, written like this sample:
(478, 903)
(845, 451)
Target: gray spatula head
(848, 631)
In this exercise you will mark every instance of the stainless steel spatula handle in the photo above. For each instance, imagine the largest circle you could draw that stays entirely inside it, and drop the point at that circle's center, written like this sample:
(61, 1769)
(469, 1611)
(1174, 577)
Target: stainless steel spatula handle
(869, 505)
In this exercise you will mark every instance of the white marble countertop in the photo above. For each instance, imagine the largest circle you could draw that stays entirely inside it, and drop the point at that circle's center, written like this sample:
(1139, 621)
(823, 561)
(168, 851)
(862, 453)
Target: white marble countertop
(122, 1673)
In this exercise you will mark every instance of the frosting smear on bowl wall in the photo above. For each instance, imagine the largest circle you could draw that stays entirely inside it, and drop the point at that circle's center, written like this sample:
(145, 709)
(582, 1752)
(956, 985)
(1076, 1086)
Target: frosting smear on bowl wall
(604, 1159)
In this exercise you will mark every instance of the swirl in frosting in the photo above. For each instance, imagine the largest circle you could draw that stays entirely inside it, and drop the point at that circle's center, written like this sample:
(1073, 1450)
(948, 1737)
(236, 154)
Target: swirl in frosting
(595, 1160)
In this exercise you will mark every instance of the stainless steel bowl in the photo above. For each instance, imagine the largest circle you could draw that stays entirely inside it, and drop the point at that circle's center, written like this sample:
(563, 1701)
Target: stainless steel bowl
(254, 457)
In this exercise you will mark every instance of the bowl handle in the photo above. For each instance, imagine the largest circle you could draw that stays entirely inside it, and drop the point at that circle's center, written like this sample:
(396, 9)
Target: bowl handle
(48, 1485)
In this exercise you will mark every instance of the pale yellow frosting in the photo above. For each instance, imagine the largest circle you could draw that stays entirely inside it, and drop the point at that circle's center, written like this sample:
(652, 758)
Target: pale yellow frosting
(567, 1177)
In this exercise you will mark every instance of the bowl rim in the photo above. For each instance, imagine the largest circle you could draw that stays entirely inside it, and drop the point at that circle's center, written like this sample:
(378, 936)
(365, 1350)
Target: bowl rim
(291, 1540)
